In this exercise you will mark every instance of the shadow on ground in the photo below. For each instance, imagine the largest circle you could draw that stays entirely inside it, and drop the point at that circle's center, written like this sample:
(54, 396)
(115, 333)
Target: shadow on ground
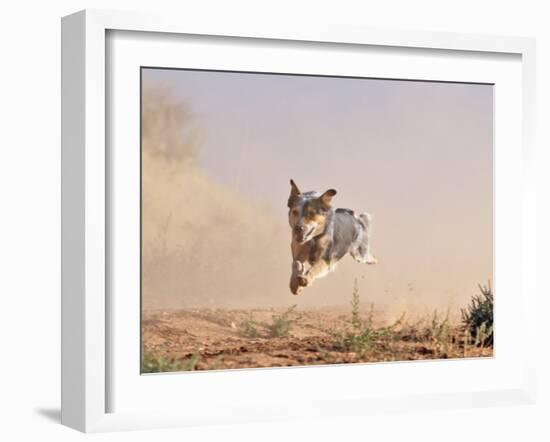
(51, 414)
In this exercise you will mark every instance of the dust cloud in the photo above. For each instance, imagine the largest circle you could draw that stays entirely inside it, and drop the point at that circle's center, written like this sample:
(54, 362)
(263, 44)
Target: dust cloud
(202, 245)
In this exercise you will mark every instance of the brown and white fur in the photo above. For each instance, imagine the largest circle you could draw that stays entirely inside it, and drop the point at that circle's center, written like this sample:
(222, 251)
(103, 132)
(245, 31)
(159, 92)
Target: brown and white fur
(322, 235)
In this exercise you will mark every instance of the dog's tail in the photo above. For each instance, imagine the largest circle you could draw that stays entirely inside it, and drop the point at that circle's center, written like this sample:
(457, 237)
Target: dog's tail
(366, 220)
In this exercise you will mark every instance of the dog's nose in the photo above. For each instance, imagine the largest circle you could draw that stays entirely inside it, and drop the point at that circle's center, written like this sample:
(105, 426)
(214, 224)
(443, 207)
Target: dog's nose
(299, 229)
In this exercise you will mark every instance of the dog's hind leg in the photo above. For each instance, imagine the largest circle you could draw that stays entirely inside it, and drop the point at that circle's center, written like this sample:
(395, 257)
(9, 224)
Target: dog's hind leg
(362, 252)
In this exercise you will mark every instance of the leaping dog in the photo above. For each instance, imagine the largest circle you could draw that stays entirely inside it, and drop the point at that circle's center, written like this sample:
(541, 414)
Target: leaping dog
(322, 235)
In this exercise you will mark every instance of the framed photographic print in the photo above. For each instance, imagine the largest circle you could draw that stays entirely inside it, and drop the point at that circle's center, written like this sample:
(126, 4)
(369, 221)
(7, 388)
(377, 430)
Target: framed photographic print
(217, 148)
(288, 222)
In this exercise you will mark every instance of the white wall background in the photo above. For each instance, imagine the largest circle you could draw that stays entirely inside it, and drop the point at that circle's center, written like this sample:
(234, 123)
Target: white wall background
(30, 216)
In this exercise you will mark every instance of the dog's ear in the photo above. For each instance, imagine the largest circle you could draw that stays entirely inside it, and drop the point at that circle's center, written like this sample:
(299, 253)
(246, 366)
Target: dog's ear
(294, 193)
(327, 197)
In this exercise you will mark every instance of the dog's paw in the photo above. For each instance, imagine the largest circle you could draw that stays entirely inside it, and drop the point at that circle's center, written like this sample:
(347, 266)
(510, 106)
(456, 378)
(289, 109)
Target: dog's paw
(298, 291)
(302, 280)
(295, 286)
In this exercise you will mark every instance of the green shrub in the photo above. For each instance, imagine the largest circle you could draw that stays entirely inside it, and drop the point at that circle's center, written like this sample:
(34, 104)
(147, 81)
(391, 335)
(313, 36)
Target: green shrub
(279, 327)
(249, 327)
(151, 363)
(281, 324)
(478, 317)
(362, 335)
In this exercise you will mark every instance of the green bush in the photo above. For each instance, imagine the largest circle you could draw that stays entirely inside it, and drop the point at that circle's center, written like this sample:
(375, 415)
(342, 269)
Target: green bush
(281, 324)
(249, 327)
(478, 317)
(279, 327)
(151, 363)
(361, 335)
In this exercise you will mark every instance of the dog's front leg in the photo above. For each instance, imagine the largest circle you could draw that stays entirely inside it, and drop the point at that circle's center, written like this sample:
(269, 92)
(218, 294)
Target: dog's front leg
(297, 272)
(296, 278)
(300, 255)
(318, 269)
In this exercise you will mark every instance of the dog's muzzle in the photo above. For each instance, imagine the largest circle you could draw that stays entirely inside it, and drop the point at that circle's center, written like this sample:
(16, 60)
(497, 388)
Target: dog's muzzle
(302, 232)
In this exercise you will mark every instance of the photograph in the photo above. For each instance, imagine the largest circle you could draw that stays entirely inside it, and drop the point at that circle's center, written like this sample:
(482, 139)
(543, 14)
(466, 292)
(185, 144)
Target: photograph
(303, 220)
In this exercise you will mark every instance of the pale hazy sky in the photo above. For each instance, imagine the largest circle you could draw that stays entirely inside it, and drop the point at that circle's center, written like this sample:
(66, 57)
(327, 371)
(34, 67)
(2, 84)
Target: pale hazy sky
(417, 155)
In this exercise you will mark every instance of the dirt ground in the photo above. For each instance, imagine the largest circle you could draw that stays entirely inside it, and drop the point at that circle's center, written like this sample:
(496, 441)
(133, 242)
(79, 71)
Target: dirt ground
(214, 339)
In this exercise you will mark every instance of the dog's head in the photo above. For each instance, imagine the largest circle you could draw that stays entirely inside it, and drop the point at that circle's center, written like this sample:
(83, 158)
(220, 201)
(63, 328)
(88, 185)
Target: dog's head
(308, 212)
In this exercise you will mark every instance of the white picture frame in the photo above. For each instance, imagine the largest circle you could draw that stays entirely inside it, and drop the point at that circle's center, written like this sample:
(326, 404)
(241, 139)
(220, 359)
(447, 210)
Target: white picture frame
(86, 203)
